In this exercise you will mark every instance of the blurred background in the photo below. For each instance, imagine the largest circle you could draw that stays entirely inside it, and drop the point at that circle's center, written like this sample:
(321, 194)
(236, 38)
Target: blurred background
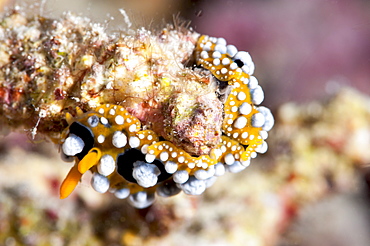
(311, 188)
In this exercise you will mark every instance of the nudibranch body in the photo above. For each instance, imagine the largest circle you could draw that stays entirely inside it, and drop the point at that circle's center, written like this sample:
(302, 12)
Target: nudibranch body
(144, 113)
(132, 162)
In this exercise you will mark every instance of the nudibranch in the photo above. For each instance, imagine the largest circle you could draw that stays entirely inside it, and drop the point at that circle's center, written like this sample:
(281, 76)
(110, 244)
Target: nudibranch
(146, 114)
(134, 162)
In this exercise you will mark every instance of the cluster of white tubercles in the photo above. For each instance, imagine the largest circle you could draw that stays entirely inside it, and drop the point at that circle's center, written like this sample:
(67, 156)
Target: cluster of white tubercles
(244, 121)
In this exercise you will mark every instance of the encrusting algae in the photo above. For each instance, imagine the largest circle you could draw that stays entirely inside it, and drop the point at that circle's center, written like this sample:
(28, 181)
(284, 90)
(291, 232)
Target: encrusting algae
(146, 112)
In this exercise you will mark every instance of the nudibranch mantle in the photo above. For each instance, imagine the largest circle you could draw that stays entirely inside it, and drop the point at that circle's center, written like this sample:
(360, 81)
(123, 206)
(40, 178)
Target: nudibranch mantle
(130, 160)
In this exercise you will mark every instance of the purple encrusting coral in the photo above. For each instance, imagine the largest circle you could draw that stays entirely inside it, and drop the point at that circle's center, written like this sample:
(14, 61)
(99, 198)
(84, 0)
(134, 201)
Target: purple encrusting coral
(193, 124)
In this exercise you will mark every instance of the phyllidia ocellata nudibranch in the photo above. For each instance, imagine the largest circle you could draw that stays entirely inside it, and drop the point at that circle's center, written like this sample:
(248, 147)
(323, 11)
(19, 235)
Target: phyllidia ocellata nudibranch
(147, 113)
